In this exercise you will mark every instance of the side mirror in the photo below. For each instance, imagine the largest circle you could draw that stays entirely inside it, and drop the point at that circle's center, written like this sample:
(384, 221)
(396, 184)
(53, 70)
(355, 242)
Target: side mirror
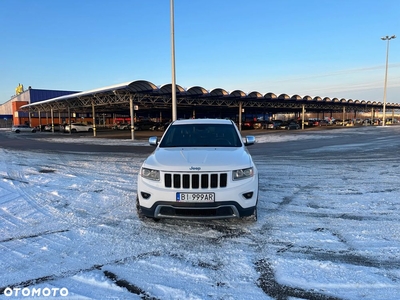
(249, 140)
(153, 141)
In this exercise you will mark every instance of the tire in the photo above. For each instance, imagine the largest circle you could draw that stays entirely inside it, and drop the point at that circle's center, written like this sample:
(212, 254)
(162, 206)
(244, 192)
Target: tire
(140, 214)
(90, 130)
(138, 209)
(17, 131)
(252, 217)
(74, 130)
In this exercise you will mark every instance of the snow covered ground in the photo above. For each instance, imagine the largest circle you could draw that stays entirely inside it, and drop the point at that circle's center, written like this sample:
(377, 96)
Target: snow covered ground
(328, 226)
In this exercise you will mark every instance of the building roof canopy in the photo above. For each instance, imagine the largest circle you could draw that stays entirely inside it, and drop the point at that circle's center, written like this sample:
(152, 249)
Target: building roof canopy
(151, 93)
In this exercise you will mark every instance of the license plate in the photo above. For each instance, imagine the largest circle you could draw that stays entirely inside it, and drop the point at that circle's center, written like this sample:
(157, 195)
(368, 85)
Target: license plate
(195, 197)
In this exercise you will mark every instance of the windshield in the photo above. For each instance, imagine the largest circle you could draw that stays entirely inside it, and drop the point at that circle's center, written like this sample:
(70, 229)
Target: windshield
(201, 135)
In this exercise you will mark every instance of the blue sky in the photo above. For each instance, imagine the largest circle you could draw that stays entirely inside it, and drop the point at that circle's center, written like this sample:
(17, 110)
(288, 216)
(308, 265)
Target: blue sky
(311, 47)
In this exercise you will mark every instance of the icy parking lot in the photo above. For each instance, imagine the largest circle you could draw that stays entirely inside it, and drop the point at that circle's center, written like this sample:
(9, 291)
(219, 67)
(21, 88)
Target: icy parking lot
(328, 225)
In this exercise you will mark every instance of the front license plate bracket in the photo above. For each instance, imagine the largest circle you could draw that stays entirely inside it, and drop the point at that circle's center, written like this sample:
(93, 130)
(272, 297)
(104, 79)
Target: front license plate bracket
(195, 197)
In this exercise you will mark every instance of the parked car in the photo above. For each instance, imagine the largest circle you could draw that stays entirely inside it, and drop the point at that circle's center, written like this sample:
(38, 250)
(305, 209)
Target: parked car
(315, 122)
(348, 122)
(200, 169)
(260, 124)
(338, 122)
(247, 125)
(367, 122)
(289, 125)
(145, 125)
(78, 127)
(274, 124)
(376, 122)
(124, 126)
(324, 123)
(391, 121)
(22, 128)
(309, 123)
(160, 126)
(57, 127)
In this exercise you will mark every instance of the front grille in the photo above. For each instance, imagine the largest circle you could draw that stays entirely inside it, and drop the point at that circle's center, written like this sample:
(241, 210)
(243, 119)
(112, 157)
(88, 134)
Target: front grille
(195, 181)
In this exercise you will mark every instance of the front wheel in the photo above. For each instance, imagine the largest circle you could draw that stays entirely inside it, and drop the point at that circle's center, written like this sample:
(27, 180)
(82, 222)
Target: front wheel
(138, 209)
(252, 217)
(140, 213)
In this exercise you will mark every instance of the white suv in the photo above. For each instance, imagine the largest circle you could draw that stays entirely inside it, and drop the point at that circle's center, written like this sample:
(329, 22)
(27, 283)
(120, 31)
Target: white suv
(78, 127)
(200, 169)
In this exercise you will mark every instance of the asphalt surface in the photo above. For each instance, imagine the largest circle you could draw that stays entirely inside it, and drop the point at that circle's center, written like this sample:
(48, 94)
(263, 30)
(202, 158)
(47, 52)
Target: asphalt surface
(43, 141)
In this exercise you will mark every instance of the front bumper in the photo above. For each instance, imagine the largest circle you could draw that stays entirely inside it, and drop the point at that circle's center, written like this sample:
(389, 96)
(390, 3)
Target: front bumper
(215, 210)
(233, 201)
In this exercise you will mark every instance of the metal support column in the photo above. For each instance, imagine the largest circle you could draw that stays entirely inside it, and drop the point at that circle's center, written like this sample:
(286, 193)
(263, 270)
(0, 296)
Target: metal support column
(40, 121)
(392, 115)
(303, 111)
(69, 120)
(52, 119)
(240, 116)
(344, 115)
(94, 120)
(132, 117)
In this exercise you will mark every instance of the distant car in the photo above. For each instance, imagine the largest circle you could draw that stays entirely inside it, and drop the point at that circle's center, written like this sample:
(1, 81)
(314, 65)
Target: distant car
(57, 127)
(145, 125)
(247, 125)
(260, 124)
(376, 122)
(22, 128)
(78, 127)
(391, 121)
(124, 126)
(324, 123)
(338, 122)
(274, 124)
(289, 125)
(348, 122)
(309, 123)
(316, 122)
(160, 126)
(367, 122)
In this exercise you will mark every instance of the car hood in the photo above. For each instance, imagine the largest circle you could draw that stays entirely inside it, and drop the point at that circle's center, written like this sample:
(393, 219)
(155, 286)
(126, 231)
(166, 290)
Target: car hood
(198, 159)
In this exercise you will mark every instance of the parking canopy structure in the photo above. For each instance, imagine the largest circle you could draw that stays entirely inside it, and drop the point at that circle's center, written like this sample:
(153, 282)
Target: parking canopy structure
(148, 96)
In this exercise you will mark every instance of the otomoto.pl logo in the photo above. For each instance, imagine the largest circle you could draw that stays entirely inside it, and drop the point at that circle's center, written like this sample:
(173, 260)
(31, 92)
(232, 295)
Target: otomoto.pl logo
(35, 292)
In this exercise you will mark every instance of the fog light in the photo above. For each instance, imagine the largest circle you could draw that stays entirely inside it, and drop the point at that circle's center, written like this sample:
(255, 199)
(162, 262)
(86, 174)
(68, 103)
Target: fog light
(145, 195)
(248, 195)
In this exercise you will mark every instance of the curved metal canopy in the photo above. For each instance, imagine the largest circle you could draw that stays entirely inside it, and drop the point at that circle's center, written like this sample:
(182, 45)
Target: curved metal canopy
(150, 96)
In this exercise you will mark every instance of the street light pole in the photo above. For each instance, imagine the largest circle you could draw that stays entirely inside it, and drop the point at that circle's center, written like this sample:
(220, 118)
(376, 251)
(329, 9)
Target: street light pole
(174, 104)
(386, 38)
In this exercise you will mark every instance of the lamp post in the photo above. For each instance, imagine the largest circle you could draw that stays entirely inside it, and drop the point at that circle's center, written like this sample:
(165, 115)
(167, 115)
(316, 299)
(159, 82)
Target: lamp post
(386, 38)
(174, 104)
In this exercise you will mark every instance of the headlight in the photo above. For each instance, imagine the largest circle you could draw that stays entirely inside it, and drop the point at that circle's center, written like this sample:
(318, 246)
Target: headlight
(150, 174)
(242, 173)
